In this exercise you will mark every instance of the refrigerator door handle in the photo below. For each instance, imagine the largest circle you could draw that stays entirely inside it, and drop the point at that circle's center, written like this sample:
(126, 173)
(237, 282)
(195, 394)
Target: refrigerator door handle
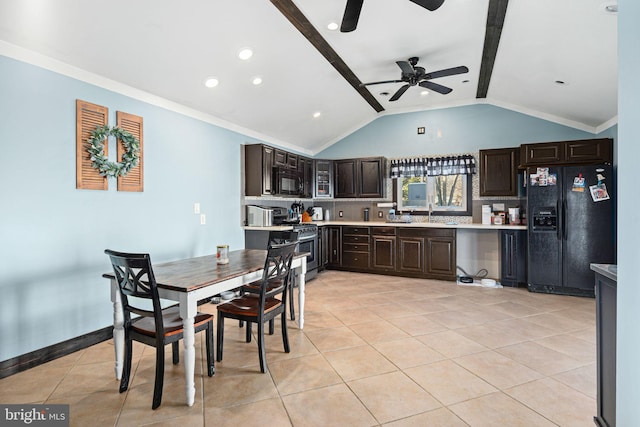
(564, 220)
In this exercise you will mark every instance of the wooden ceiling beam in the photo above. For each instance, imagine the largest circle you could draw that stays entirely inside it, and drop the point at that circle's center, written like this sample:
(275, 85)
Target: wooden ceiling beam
(495, 21)
(297, 18)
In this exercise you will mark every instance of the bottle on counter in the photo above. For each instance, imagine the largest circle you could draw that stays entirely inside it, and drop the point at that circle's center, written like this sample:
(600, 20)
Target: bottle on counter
(366, 214)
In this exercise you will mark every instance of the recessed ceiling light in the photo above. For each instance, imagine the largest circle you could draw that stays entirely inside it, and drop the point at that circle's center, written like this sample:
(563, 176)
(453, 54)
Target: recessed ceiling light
(332, 26)
(316, 114)
(560, 82)
(245, 54)
(424, 93)
(257, 80)
(211, 82)
(465, 81)
(384, 93)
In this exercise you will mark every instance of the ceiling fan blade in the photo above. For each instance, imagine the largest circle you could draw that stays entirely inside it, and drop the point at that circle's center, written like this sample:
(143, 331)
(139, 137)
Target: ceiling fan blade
(382, 82)
(446, 72)
(429, 4)
(351, 15)
(406, 67)
(399, 93)
(435, 87)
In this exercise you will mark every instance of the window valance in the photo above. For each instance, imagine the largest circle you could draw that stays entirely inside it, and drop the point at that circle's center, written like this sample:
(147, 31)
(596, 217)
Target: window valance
(433, 166)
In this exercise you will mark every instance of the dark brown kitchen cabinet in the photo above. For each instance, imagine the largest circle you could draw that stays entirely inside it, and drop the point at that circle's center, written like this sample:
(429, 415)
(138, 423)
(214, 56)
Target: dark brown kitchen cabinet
(383, 244)
(401, 251)
(440, 251)
(334, 246)
(499, 172)
(410, 254)
(359, 177)
(280, 158)
(427, 252)
(305, 168)
(513, 257)
(345, 178)
(585, 151)
(355, 247)
(258, 166)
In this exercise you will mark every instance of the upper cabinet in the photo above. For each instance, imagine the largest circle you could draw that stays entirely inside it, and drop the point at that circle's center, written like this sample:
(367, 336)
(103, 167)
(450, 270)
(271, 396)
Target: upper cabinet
(258, 170)
(583, 151)
(359, 177)
(499, 172)
(323, 178)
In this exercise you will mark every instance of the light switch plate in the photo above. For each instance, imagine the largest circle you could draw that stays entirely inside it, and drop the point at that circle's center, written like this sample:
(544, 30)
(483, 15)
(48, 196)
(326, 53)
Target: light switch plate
(196, 208)
(203, 219)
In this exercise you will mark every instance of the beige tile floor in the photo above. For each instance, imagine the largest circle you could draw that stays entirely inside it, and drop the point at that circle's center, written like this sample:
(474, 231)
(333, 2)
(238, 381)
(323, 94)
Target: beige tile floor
(375, 350)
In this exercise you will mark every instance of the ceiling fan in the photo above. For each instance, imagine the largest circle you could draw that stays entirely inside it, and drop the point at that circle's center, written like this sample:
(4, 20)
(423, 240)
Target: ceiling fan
(413, 75)
(352, 12)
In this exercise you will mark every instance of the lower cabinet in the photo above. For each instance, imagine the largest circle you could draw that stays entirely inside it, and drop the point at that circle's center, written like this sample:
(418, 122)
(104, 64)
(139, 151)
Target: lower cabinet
(355, 247)
(334, 246)
(383, 245)
(513, 257)
(402, 251)
(410, 254)
(440, 252)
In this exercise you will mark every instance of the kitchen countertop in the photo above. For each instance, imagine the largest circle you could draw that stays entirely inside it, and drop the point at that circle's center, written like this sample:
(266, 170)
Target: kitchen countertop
(607, 270)
(473, 226)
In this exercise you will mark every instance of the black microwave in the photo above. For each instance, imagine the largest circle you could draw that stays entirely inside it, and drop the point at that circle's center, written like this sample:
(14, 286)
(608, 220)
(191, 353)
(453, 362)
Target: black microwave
(288, 182)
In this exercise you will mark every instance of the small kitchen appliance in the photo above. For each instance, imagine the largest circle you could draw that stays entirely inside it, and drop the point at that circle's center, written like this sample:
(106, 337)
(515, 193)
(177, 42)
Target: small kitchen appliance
(317, 214)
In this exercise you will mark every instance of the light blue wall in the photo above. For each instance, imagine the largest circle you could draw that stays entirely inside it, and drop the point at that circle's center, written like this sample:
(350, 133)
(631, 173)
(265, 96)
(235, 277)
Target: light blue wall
(628, 335)
(53, 236)
(451, 130)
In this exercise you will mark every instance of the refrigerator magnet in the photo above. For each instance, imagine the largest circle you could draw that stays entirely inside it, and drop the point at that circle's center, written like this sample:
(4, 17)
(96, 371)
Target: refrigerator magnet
(578, 184)
(599, 192)
(552, 179)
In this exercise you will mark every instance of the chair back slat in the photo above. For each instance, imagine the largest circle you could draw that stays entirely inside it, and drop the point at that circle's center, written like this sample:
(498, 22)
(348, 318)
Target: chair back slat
(135, 278)
(277, 268)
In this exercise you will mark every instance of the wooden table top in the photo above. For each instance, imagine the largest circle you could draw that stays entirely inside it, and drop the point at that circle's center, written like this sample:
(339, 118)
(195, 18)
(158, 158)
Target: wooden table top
(186, 275)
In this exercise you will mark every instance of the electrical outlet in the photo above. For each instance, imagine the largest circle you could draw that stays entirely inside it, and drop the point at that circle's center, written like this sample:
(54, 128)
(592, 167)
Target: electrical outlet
(196, 208)
(340, 214)
(203, 219)
(379, 214)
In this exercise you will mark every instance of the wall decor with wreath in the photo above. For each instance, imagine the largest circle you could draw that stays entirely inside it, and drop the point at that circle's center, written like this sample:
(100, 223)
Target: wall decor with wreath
(93, 167)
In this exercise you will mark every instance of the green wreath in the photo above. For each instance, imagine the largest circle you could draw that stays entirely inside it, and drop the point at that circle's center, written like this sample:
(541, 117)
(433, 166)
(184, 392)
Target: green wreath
(95, 146)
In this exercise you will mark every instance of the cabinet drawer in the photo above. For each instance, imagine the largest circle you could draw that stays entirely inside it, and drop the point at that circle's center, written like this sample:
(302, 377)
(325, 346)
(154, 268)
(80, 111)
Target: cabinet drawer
(355, 230)
(356, 247)
(355, 259)
(355, 239)
(383, 231)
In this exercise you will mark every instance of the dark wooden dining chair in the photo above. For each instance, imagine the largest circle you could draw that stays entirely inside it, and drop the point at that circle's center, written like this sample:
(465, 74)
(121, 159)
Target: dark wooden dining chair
(263, 306)
(275, 237)
(157, 327)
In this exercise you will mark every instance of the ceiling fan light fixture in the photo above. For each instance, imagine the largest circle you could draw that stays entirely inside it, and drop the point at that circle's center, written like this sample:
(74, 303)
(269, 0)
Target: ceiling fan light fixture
(211, 82)
(245, 53)
(332, 26)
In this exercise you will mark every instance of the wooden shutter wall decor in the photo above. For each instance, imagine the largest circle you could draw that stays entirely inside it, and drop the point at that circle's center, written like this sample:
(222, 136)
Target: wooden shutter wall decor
(88, 116)
(134, 181)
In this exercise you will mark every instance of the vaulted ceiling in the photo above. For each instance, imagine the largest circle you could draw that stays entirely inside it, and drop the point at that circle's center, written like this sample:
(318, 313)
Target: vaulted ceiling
(556, 59)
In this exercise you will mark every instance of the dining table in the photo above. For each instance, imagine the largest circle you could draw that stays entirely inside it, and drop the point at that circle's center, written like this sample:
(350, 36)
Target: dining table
(188, 281)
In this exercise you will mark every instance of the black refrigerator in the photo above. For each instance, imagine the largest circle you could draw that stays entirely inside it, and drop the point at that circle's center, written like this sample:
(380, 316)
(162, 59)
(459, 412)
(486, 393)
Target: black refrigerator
(571, 212)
